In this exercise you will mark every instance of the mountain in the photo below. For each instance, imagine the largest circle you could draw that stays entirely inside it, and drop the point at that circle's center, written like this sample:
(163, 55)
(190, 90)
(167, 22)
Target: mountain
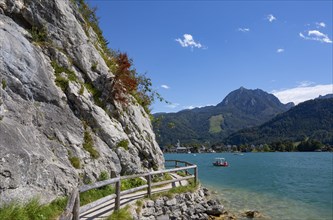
(328, 96)
(308, 120)
(65, 114)
(240, 109)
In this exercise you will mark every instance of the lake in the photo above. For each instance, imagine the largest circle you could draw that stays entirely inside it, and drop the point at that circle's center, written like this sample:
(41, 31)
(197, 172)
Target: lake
(279, 185)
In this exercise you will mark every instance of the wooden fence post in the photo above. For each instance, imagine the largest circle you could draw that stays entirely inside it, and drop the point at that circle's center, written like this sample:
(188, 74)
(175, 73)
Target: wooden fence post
(196, 175)
(117, 199)
(76, 209)
(149, 185)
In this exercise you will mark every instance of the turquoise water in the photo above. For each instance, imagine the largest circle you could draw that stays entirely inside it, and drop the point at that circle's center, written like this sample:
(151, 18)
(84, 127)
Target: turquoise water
(279, 185)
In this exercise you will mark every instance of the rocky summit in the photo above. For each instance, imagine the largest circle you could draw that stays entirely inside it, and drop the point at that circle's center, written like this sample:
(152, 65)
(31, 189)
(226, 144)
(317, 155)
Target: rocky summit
(59, 125)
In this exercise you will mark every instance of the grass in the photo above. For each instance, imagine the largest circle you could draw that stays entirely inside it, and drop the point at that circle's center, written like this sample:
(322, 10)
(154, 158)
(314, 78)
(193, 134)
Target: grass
(182, 173)
(139, 205)
(95, 194)
(163, 177)
(88, 145)
(33, 210)
(96, 94)
(132, 183)
(3, 83)
(191, 187)
(81, 91)
(60, 80)
(215, 124)
(121, 214)
(75, 161)
(94, 67)
(123, 144)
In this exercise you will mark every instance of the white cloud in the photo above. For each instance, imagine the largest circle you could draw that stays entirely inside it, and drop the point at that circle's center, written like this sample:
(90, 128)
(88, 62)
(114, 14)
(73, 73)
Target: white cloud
(244, 29)
(280, 50)
(199, 106)
(165, 86)
(188, 41)
(189, 107)
(303, 93)
(173, 105)
(316, 36)
(270, 18)
(320, 24)
(305, 83)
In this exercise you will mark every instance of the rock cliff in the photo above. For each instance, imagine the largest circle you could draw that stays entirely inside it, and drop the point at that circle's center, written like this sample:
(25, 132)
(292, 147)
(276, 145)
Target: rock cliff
(54, 131)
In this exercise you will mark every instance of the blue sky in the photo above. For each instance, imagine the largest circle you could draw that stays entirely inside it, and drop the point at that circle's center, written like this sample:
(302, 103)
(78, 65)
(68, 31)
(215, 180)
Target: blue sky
(196, 52)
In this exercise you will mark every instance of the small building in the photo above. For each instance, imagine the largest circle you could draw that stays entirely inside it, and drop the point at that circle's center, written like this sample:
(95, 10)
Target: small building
(181, 149)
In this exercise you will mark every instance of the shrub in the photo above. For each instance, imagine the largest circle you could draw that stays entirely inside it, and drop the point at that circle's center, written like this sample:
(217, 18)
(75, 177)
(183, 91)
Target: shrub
(38, 34)
(75, 161)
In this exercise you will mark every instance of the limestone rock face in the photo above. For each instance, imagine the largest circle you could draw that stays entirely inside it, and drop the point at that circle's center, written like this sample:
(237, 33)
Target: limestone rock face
(43, 126)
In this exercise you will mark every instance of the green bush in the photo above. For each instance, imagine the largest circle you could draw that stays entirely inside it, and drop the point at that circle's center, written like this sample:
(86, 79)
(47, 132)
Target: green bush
(75, 161)
(123, 143)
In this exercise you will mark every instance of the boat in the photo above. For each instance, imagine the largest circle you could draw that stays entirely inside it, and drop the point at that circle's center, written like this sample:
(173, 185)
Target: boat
(221, 162)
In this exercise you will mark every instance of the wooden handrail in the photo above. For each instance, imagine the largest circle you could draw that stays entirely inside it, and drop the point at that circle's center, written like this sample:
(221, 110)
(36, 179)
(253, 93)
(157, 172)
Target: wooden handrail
(99, 184)
(68, 213)
(73, 208)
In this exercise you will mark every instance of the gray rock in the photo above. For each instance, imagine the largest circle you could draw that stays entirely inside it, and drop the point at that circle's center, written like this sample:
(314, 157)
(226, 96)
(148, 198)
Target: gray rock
(41, 126)
(162, 217)
(215, 210)
(148, 211)
(171, 202)
(159, 202)
(252, 214)
(149, 203)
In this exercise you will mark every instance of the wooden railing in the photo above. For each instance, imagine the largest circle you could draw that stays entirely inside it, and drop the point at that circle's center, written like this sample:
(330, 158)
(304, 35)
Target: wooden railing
(73, 208)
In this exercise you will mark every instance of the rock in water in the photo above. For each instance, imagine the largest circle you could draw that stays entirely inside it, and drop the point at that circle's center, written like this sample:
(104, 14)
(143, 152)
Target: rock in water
(252, 214)
(55, 132)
